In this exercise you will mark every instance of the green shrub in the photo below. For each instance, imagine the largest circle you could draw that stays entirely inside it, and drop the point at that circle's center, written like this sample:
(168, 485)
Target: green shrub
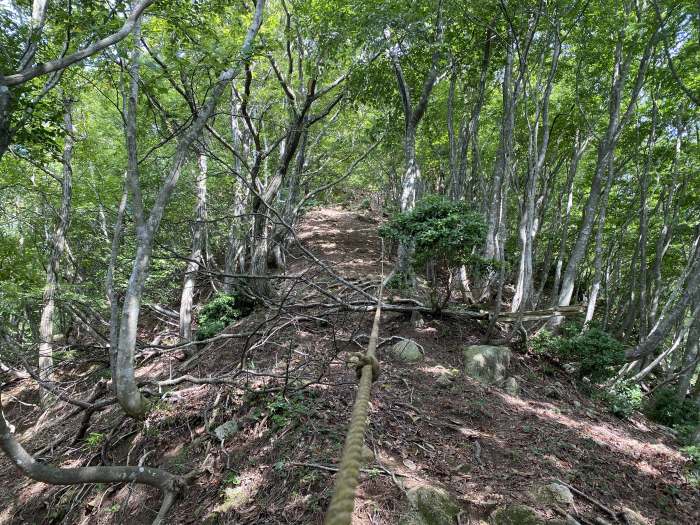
(441, 230)
(597, 354)
(444, 234)
(666, 408)
(622, 399)
(693, 466)
(220, 312)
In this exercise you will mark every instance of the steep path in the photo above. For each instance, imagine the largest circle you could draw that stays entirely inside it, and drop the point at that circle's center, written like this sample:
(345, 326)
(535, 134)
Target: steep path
(485, 447)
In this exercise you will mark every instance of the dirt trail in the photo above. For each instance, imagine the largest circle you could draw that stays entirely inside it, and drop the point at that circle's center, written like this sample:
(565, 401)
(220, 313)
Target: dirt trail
(484, 446)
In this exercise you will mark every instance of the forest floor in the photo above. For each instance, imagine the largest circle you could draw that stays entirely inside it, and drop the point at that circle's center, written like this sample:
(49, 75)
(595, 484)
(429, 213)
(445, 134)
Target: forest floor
(482, 445)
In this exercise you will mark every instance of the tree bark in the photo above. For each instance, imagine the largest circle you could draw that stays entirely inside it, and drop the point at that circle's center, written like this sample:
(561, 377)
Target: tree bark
(692, 352)
(412, 117)
(160, 479)
(195, 260)
(128, 394)
(616, 122)
(537, 152)
(57, 244)
(672, 312)
(598, 256)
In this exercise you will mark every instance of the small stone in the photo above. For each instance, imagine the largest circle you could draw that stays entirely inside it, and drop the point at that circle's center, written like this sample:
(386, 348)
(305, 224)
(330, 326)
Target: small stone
(633, 517)
(417, 320)
(226, 430)
(444, 380)
(511, 386)
(407, 351)
(515, 515)
(487, 364)
(555, 494)
(429, 505)
(234, 498)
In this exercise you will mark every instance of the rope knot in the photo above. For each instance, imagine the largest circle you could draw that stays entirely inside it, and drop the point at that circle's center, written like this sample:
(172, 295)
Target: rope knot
(360, 360)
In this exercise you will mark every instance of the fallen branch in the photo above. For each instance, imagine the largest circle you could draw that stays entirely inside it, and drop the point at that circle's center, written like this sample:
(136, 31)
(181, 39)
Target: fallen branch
(381, 469)
(588, 498)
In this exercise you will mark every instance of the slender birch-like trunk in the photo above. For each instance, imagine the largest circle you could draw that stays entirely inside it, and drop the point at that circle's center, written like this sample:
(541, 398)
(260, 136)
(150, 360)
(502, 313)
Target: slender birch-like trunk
(617, 120)
(57, 244)
(128, 394)
(598, 255)
(195, 259)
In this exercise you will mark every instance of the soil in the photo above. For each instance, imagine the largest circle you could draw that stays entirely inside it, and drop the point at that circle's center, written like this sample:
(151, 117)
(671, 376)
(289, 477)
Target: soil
(292, 405)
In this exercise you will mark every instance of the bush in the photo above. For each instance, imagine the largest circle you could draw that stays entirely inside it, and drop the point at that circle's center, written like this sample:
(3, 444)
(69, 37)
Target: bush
(597, 354)
(623, 399)
(666, 408)
(444, 234)
(220, 312)
(441, 230)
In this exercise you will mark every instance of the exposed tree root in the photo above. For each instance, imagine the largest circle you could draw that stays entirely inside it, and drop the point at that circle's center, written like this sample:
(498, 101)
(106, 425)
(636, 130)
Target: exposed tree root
(167, 483)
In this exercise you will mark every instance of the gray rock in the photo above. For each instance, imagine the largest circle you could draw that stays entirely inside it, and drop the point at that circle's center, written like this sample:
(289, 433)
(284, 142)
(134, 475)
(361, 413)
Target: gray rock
(487, 364)
(633, 517)
(407, 351)
(429, 505)
(226, 430)
(511, 386)
(515, 515)
(554, 494)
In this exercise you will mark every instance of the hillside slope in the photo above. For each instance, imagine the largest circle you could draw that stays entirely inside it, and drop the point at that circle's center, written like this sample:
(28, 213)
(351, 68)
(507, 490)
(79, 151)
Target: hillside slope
(291, 404)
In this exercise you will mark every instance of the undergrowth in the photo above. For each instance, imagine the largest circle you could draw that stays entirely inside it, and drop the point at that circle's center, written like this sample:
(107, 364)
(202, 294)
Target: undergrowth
(219, 312)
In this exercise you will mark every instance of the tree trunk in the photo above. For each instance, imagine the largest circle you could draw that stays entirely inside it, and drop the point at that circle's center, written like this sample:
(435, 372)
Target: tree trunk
(644, 225)
(412, 117)
(408, 196)
(598, 257)
(503, 160)
(537, 152)
(616, 122)
(109, 284)
(57, 243)
(670, 314)
(663, 240)
(195, 260)
(692, 352)
(128, 394)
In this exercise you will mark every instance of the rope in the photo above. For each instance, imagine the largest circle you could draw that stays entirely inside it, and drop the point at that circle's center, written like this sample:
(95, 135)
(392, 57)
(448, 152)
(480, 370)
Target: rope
(343, 501)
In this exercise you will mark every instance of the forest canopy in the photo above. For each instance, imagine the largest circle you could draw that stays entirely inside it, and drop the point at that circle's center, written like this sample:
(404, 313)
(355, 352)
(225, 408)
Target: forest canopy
(527, 160)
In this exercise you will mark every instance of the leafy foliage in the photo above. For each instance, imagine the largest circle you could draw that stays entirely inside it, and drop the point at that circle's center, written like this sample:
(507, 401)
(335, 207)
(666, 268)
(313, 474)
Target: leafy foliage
(667, 408)
(597, 354)
(220, 312)
(444, 234)
(622, 399)
(441, 229)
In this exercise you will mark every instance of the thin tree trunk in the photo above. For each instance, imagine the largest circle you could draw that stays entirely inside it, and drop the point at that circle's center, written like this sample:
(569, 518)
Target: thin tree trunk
(663, 240)
(616, 122)
(128, 394)
(537, 153)
(412, 117)
(598, 257)
(195, 260)
(109, 284)
(503, 160)
(689, 291)
(692, 352)
(644, 224)
(57, 243)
